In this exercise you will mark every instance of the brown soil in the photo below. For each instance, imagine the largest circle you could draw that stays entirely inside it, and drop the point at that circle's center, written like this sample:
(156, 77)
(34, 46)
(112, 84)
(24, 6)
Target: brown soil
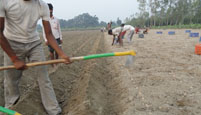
(164, 80)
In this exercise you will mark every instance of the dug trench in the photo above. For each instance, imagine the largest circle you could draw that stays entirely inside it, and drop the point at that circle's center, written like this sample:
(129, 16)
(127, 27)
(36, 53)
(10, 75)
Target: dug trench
(82, 88)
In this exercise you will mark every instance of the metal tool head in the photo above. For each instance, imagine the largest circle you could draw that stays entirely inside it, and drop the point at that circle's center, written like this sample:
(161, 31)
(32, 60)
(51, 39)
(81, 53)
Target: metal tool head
(130, 61)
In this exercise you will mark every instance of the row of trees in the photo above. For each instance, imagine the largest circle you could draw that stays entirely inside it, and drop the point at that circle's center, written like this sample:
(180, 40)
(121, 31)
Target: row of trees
(167, 12)
(81, 21)
(85, 20)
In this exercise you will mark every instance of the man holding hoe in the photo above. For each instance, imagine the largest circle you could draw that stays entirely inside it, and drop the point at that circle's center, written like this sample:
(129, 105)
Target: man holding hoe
(20, 41)
(56, 30)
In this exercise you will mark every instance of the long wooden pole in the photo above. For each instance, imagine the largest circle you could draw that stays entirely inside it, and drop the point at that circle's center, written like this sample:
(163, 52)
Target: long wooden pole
(42, 63)
(132, 53)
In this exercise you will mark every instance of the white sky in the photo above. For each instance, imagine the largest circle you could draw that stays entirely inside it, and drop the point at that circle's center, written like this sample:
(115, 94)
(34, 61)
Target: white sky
(105, 10)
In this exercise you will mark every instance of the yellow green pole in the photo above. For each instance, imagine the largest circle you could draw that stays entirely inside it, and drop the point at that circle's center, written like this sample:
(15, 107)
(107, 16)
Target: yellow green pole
(8, 111)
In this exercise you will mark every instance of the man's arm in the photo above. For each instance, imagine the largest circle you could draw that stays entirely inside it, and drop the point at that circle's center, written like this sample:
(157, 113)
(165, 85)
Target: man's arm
(51, 41)
(20, 65)
(120, 40)
(113, 40)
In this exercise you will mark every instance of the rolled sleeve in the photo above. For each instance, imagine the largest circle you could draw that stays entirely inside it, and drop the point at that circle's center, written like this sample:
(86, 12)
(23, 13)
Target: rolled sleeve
(2, 9)
(45, 12)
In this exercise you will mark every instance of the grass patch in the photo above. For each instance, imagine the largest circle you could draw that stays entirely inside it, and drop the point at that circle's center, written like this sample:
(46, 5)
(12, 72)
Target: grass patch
(191, 26)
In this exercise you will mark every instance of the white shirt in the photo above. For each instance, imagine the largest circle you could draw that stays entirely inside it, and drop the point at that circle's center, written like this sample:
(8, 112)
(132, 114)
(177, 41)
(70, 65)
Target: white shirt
(117, 31)
(21, 19)
(128, 28)
(56, 29)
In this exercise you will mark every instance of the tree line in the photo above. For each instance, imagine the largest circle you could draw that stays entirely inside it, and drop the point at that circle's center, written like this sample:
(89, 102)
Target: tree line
(85, 20)
(81, 21)
(167, 12)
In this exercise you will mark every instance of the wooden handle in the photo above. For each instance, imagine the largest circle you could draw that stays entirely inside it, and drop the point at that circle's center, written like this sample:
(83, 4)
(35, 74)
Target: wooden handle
(73, 59)
(43, 63)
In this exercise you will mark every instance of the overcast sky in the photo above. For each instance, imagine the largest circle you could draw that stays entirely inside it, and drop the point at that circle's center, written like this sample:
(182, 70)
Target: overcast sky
(105, 10)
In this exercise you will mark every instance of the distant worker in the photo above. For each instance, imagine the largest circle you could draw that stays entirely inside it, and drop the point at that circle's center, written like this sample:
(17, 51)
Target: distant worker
(117, 33)
(109, 26)
(137, 29)
(130, 29)
(103, 29)
(145, 31)
(56, 30)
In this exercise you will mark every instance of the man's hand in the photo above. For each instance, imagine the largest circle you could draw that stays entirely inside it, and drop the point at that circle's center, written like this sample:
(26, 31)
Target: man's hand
(20, 65)
(61, 42)
(68, 61)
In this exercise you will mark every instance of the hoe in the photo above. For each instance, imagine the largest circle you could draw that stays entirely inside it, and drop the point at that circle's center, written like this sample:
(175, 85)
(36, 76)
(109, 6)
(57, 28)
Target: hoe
(129, 61)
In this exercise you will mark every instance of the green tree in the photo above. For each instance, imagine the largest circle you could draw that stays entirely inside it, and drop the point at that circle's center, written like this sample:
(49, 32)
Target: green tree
(119, 22)
(167, 12)
(84, 20)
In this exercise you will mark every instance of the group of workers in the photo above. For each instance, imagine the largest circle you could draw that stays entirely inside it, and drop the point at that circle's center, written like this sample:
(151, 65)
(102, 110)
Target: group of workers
(20, 41)
(118, 33)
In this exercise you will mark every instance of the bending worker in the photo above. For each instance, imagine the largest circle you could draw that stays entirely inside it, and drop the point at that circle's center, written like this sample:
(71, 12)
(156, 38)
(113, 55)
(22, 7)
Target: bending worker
(130, 29)
(117, 33)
